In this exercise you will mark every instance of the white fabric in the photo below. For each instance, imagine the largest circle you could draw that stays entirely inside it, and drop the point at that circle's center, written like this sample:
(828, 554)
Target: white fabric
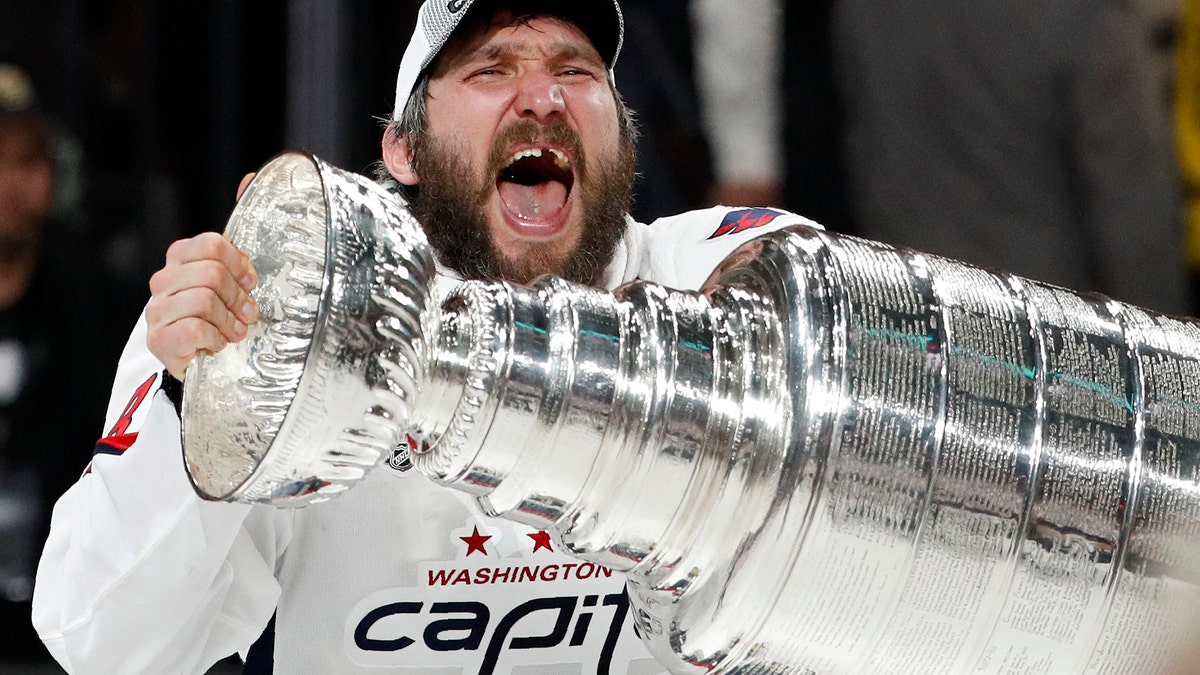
(417, 55)
(139, 575)
(737, 47)
(12, 370)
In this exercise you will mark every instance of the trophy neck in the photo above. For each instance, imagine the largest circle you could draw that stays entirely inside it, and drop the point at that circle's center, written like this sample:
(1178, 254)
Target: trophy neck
(595, 415)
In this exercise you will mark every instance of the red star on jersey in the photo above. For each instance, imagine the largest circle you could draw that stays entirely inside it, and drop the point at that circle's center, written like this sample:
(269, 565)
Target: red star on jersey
(475, 541)
(541, 540)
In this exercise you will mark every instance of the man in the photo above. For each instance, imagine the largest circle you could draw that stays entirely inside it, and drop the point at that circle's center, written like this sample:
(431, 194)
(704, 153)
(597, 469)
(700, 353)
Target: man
(516, 152)
(39, 454)
(26, 183)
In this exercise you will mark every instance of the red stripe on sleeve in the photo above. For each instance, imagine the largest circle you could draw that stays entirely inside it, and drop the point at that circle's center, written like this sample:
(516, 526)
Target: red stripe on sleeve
(120, 442)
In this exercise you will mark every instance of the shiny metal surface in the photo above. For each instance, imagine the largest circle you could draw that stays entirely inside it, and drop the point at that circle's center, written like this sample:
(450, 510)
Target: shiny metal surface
(307, 403)
(839, 457)
(847, 458)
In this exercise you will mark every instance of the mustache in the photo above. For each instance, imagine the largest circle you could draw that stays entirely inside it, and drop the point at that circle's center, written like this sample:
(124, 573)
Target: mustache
(450, 199)
(529, 132)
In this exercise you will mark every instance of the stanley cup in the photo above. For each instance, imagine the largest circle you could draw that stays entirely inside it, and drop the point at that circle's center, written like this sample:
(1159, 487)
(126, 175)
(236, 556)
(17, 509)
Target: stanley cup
(838, 457)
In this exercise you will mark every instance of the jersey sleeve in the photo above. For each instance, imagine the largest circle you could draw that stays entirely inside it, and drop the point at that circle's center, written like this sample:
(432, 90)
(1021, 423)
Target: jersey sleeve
(685, 249)
(138, 573)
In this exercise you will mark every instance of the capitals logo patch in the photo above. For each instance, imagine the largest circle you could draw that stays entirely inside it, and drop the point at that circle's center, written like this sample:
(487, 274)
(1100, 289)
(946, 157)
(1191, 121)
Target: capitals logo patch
(506, 603)
(745, 219)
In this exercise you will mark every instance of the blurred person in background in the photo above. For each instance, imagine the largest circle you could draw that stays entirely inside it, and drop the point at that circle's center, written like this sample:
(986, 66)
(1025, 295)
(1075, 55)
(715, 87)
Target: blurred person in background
(673, 153)
(48, 399)
(769, 106)
(738, 47)
(1016, 134)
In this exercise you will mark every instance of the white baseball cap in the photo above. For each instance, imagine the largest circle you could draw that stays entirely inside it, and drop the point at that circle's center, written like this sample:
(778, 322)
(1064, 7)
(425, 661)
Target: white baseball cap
(600, 20)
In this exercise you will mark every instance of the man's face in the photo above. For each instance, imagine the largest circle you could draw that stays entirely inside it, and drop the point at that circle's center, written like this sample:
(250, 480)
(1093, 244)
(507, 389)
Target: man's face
(523, 170)
(26, 191)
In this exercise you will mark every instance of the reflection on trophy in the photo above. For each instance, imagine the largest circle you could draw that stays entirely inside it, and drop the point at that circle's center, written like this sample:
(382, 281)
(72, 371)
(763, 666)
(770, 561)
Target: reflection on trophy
(839, 457)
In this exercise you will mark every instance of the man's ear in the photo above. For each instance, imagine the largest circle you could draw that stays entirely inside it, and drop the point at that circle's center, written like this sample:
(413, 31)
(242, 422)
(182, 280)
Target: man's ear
(397, 157)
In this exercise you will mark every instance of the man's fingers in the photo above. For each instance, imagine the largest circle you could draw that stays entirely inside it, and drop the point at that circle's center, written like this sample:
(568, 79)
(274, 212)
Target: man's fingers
(209, 275)
(199, 303)
(180, 342)
(213, 246)
(200, 300)
(244, 184)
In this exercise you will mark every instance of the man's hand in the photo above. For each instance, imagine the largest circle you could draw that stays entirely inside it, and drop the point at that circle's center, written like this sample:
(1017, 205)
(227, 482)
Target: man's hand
(200, 300)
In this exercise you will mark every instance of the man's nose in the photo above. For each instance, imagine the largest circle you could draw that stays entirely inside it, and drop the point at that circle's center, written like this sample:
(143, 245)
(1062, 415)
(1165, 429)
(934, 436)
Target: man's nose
(540, 96)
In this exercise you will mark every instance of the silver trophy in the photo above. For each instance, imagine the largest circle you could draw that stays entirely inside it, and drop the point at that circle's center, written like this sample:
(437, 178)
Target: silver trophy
(838, 457)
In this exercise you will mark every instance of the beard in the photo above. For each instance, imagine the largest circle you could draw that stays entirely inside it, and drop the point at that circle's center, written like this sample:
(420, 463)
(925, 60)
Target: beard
(451, 197)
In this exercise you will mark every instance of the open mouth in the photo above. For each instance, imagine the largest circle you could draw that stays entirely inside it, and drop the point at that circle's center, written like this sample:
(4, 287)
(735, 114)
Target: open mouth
(535, 185)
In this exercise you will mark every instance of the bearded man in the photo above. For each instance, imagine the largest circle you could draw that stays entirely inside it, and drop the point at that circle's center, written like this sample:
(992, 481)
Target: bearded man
(515, 152)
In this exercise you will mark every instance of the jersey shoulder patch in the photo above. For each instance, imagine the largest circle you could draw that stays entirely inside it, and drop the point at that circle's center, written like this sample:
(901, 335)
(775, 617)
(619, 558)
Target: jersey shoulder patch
(742, 220)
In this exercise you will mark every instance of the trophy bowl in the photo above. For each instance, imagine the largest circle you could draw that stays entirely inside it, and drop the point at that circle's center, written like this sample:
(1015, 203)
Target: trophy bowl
(321, 386)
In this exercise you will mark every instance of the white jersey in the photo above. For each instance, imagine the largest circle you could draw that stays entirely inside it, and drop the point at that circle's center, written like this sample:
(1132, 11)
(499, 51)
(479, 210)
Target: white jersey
(397, 575)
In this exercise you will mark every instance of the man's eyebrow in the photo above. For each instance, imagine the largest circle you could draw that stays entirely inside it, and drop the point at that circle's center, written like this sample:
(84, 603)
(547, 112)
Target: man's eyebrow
(495, 51)
(492, 51)
(573, 52)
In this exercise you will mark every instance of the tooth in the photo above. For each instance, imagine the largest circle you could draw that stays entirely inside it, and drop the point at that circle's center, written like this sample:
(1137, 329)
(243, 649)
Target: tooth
(560, 159)
(531, 152)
